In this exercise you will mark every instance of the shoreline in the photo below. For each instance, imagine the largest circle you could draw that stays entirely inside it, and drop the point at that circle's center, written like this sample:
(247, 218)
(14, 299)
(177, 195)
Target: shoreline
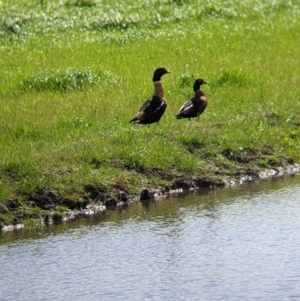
(123, 198)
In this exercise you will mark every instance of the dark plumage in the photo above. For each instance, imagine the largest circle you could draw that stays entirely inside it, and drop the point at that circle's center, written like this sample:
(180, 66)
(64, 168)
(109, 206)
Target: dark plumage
(195, 106)
(153, 108)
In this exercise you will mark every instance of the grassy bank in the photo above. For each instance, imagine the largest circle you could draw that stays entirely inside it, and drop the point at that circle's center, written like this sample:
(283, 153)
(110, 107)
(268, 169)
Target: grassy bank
(73, 74)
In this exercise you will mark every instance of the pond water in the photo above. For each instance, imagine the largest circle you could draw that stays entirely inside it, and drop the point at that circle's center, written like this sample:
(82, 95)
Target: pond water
(240, 243)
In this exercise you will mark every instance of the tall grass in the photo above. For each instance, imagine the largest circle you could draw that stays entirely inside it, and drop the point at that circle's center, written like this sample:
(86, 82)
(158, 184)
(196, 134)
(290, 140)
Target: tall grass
(73, 73)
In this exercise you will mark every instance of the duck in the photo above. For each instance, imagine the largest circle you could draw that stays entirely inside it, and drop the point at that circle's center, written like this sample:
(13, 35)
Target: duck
(195, 106)
(153, 108)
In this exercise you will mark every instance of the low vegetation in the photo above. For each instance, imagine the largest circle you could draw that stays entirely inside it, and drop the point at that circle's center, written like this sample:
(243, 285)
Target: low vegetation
(74, 72)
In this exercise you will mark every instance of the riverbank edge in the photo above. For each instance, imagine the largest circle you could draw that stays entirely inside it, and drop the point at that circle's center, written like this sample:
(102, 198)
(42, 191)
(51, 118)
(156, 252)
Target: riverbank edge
(99, 200)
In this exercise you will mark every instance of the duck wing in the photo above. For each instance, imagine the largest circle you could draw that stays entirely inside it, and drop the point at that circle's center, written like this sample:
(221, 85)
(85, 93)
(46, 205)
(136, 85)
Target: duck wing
(158, 107)
(142, 113)
(187, 110)
(151, 111)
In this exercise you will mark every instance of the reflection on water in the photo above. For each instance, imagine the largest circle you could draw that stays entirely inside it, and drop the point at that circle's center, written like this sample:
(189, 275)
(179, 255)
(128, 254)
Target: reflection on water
(239, 243)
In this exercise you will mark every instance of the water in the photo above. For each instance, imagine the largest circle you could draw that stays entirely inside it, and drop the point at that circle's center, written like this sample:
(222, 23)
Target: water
(239, 243)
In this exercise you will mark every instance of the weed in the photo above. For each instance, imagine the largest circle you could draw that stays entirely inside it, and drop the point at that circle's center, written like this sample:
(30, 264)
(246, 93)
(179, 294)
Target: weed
(64, 81)
(234, 77)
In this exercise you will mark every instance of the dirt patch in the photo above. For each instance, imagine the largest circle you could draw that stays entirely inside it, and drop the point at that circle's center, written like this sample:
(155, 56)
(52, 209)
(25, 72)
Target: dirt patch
(45, 198)
(108, 196)
(96, 193)
(12, 204)
(244, 155)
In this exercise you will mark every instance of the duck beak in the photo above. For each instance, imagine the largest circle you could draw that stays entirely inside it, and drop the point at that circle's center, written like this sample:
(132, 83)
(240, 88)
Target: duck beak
(205, 82)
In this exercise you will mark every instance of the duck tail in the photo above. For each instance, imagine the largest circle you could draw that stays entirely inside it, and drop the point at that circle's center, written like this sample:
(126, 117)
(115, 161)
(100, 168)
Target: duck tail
(134, 120)
(179, 116)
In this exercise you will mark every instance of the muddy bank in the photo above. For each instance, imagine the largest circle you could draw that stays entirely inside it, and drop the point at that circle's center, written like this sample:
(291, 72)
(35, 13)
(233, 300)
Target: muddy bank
(46, 206)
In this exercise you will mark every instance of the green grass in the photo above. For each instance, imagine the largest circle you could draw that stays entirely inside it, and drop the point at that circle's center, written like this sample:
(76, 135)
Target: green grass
(73, 74)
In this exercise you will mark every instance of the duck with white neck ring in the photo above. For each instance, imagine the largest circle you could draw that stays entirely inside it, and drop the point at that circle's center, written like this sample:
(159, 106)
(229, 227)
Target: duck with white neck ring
(153, 108)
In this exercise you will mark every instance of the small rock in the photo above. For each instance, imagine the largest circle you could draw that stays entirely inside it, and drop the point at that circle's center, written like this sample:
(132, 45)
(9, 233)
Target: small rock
(110, 203)
(122, 197)
(146, 195)
(184, 185)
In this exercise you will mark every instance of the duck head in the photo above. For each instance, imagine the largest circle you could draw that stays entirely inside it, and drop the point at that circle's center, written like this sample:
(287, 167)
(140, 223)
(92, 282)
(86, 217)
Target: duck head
(158, 73)
(198, 82)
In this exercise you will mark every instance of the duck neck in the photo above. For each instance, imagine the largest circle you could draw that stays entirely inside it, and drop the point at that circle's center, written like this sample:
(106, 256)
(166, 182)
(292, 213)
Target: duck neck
(199, 93)
(158, 89)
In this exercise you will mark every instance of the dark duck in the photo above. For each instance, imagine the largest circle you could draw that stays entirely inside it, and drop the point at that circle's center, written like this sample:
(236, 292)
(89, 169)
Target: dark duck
(195, 106)
(153, 108)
